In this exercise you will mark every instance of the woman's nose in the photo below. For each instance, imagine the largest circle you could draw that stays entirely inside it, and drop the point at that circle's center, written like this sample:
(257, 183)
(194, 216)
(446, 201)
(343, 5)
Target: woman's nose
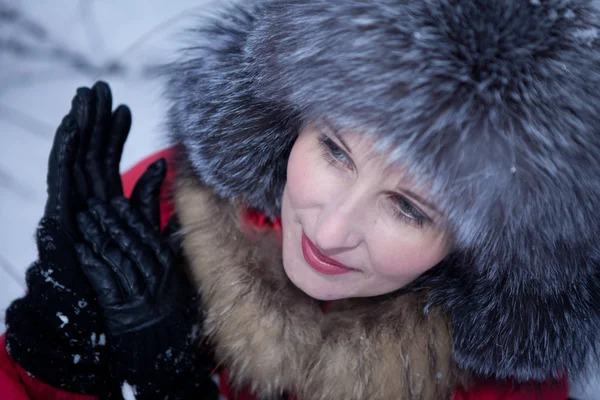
(339, 224)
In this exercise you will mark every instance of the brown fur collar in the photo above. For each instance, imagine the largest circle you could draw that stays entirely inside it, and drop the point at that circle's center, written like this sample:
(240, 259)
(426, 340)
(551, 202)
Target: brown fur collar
(274, 338)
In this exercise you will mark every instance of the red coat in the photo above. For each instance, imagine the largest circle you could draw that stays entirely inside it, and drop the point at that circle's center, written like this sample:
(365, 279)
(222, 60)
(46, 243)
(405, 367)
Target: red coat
(17, 384)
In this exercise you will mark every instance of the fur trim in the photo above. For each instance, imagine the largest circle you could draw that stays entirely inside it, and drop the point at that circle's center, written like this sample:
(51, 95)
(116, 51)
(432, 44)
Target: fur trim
(274, 338)
(492, 105)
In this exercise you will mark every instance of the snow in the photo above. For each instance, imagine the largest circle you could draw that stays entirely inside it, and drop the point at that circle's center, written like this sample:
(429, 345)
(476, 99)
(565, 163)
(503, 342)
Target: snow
(169, 353)
(48, 278)
(76, 358)
(195, 332)
(45, 94)
(99, 340)
(128, 391)
(63, 318)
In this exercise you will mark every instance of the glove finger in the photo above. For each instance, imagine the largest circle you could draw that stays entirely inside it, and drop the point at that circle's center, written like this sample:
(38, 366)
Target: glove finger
(146, 193)
(101, 277)
(156, 263)
(60, 179)
(128, 279)
(120, 125)
(80, 108)
(130, 255)
(99, 132)
(84, 108)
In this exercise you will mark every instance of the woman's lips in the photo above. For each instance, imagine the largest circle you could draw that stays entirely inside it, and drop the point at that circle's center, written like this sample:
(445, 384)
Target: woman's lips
(319, 261)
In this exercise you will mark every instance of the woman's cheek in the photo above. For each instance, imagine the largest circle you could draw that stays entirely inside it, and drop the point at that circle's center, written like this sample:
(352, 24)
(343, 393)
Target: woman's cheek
(306, 180)
(399, 258)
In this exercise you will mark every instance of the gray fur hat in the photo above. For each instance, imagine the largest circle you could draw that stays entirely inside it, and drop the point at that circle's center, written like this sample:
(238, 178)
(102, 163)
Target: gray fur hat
(494, 105)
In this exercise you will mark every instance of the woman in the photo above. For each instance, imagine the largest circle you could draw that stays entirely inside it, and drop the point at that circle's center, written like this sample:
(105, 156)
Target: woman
(443, 160)
(379, 200)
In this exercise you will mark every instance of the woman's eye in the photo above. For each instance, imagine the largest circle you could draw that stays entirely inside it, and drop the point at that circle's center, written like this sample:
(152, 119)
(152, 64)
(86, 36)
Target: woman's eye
(333, 153)
(337, 152)
(407, 212)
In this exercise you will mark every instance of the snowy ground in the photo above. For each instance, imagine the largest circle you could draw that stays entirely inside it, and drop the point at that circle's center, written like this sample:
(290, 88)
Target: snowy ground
(34, 95)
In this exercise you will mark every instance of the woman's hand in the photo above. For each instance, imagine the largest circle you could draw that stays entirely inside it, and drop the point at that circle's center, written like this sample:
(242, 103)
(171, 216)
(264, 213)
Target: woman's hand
(56, 331)
(135, 270)
(77, 334)
(150, 306)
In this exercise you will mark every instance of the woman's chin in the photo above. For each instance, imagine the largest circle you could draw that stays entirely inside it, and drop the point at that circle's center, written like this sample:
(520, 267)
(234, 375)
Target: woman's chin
(317, 295)
(311, 284)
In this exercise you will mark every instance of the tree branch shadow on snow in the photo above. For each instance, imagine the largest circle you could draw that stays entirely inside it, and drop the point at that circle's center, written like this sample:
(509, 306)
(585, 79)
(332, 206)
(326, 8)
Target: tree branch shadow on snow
(30, 54)
(27, 39)
(28, 42)
(36, 55)
(12, 271)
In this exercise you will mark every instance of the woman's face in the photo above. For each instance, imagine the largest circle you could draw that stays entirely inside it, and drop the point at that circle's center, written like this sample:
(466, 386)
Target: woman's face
(352, 227)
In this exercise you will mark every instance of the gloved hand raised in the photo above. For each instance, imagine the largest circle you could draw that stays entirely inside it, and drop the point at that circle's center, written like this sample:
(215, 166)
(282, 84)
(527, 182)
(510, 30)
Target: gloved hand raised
(148, 302)
(136, 271)
(56, 331)
(149, 305)
(101, 146)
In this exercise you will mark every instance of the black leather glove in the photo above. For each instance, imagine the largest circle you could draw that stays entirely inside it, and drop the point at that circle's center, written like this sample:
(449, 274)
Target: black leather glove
(149, 304)
(56, 331)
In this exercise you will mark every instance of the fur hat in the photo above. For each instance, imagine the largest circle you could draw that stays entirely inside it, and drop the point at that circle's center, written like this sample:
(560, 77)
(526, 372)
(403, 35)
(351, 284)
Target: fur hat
(494, 106)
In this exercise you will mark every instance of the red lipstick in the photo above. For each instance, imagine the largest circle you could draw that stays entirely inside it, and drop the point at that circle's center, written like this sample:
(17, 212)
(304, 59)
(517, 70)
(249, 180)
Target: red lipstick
(319, 261)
